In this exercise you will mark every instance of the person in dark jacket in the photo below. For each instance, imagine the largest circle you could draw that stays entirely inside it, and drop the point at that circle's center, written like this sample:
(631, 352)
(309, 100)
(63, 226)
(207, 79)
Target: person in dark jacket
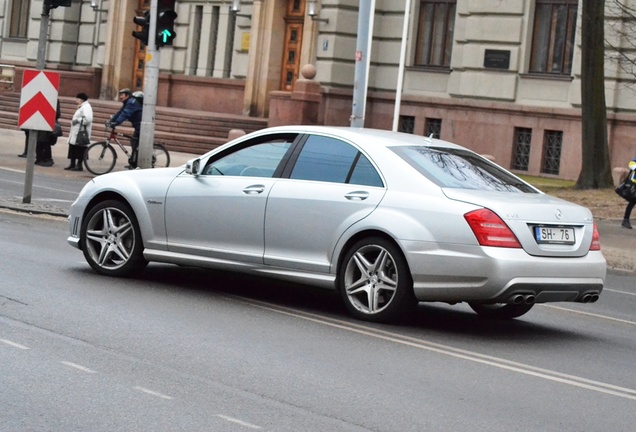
(43, 155)
(630, 203)
(131, 110)
(45, 140)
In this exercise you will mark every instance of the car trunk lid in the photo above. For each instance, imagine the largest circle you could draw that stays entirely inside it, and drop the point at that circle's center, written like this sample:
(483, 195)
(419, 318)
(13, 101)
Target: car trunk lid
(544, 225)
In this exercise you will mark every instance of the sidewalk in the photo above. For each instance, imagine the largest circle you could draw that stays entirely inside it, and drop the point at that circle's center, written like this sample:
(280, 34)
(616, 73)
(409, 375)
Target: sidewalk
(618, 244)
(12, 144)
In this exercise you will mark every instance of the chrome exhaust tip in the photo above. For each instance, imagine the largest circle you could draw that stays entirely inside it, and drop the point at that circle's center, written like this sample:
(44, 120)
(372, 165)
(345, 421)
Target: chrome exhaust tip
(516, 299)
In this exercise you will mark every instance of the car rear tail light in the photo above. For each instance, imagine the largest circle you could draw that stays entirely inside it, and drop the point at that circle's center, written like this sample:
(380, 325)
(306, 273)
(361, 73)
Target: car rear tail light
(490, 230)
(596, 240)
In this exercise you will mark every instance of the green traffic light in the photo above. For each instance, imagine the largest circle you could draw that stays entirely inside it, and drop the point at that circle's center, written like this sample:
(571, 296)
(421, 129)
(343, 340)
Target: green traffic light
(165, 34)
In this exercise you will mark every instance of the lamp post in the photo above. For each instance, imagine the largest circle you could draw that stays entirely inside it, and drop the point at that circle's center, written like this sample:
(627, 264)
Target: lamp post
(363, 57)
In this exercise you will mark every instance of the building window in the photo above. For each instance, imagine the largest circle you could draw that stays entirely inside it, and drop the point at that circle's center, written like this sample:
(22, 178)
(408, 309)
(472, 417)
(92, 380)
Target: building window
(433, 127)
(435, 25)
(552, 142)
(521, 151)
(19, 18)
(229, 46)
(553, 38)
(214, 37)
(406, 124)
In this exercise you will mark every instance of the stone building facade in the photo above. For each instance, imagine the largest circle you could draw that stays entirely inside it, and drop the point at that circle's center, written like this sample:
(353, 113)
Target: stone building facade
(501, 77)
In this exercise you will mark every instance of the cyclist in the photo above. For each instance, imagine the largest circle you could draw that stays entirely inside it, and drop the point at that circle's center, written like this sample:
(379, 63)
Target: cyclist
(131, 110)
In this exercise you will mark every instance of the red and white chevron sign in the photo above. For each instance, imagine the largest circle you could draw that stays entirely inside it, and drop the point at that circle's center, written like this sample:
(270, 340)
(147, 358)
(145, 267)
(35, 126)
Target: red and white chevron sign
(38, 100)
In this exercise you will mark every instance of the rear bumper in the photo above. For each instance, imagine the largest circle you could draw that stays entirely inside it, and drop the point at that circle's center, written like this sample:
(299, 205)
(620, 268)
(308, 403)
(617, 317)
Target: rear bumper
(455, 273)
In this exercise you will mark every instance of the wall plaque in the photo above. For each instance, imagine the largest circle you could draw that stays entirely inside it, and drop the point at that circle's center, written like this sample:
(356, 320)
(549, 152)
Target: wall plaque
(497, 59)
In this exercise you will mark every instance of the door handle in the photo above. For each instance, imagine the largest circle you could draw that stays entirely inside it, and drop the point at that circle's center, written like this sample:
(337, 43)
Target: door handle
(357, 196)
(254, 189)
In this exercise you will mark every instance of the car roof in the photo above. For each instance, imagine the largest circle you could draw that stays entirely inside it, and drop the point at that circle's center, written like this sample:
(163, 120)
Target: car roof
(364, 135)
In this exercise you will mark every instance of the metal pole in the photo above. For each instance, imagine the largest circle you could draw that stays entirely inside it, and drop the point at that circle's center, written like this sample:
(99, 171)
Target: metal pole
(400, 82)
(363, 59)
(151, 83)
(33, 134)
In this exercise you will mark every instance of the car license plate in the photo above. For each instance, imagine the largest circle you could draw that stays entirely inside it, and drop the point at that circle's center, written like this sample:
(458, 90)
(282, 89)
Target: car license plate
(554, 235)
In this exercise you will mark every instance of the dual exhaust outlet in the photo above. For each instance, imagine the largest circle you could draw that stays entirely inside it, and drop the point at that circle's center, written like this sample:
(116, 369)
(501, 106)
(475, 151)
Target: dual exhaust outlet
(530, 298)
(522, 299)
(589, 298)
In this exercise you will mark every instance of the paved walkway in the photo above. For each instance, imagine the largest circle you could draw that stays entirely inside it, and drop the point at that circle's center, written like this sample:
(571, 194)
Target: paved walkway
(618, 244)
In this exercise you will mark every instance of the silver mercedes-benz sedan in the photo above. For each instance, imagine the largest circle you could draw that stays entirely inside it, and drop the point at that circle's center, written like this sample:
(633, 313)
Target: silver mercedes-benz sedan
(387, 219)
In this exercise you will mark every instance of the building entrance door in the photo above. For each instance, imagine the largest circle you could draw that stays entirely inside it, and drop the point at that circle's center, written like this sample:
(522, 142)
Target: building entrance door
(294, 20)
(139, 65)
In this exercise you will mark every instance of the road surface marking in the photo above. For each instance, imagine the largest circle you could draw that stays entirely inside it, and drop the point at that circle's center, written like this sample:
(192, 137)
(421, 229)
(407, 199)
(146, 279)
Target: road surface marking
(619, 291)
(12, 170)
(605, 317)
(472, 356)
(153, 393)
(237, 421)
(13, 344)
(76, 366)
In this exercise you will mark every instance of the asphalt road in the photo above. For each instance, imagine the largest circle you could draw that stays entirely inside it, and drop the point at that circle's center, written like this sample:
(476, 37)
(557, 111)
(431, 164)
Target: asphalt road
(187, 349)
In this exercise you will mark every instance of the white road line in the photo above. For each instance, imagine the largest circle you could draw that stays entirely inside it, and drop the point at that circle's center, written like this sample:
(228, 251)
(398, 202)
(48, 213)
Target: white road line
(35, 185)
(76, 366)
(237, 421)
(12, 170)
(472, 356)
(605, 317)
(153, 393)
(619, 291)
(13, 344)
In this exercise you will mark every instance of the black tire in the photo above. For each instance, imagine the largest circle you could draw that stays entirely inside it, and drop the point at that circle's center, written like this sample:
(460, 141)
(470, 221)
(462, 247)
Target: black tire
(111, 241)
(500, 310)
(100, 158)
(160, 156)
(375, 281)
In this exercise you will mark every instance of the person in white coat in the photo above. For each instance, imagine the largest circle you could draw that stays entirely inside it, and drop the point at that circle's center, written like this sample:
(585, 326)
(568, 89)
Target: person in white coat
(83, 117)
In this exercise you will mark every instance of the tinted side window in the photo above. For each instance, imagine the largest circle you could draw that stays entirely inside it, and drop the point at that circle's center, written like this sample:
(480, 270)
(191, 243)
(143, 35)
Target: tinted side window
(365, 174)
(324, 159)
(258, 160)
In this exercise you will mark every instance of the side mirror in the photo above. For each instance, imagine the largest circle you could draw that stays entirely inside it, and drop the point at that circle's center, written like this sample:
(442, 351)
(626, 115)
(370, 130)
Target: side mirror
(192, 166)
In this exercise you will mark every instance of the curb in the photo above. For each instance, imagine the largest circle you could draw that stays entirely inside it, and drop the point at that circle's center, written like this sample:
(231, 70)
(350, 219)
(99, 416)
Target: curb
(34, 211)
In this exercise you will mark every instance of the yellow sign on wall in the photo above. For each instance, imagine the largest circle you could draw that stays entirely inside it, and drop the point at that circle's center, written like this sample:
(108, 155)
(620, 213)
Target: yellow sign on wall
(245, 41)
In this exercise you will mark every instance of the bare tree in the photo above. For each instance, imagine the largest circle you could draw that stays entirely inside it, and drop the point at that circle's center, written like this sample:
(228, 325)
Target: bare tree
(620, 43)
(595, 170)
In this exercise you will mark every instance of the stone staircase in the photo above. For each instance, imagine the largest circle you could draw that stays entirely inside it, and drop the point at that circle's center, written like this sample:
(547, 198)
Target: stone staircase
(178, 129)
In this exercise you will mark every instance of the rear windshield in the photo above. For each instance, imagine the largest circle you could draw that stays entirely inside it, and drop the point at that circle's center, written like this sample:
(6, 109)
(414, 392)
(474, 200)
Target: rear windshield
(462, 169)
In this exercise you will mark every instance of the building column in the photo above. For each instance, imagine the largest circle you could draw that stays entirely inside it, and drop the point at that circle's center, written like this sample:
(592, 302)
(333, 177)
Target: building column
(119, 48)
(264, 58)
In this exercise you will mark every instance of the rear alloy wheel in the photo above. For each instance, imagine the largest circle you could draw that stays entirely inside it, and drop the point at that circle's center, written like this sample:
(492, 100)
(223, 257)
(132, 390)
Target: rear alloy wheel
(375, 282)
(111, 239)
(500, 310)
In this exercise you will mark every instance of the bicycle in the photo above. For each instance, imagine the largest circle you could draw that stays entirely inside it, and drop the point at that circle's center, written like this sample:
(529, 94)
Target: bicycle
(101, 156)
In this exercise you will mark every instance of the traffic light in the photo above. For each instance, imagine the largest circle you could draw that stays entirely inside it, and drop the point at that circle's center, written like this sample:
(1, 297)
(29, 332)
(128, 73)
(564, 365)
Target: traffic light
(144, 23)
(55, 3)
(165, 23)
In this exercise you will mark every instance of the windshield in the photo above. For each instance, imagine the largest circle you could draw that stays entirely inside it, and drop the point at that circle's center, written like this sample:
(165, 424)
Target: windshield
(459, 168)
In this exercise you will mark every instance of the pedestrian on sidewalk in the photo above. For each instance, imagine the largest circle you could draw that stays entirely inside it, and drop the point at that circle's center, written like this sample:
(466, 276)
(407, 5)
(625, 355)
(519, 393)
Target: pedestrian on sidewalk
(82, 121)
(45, 140)
(43, 155)
(630, 202)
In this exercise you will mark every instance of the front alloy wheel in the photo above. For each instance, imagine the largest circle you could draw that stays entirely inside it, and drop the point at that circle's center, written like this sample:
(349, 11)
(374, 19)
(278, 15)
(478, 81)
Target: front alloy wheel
(375, 281)
(111, 239)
